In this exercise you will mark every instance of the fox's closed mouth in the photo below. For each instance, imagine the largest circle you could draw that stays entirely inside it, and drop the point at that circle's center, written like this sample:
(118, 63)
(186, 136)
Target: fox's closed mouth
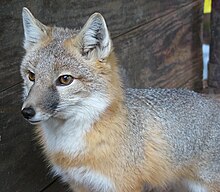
(34, 122)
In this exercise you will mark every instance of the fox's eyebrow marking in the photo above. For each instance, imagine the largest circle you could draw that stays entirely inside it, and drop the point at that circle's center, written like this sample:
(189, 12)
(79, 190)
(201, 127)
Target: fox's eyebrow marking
(31, 65)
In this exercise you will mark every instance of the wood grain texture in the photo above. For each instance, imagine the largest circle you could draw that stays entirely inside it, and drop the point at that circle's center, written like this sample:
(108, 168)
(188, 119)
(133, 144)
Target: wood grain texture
(56, 186)
(21, 163)
(165, 52)
(121, 16)
(214, 63)
(157, 43)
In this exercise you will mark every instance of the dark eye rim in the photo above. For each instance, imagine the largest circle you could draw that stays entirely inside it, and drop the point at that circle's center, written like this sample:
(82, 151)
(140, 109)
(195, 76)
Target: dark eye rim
(60, 83)
(31, 76)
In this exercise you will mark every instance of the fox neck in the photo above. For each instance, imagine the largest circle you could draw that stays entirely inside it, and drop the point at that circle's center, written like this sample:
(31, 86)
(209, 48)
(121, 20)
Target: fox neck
(75, 136)
(67, 135)
(69, 149)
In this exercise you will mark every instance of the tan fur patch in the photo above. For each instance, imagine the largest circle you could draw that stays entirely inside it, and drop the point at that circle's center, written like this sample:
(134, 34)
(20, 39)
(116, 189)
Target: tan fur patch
(159, 168)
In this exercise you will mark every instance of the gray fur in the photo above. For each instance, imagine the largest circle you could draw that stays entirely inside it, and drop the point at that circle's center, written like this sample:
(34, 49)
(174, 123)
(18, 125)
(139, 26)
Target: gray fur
(190, 125)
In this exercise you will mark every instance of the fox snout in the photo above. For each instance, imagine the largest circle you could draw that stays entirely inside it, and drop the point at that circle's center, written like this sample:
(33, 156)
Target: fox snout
(40, 104)
(28, 112)
(31, 114)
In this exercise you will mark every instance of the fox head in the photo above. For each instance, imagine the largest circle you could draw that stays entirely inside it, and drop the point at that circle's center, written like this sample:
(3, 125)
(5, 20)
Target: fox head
(67, 73)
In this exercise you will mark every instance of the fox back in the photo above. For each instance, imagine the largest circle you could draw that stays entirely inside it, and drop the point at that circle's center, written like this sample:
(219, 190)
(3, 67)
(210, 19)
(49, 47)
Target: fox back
(100, 137)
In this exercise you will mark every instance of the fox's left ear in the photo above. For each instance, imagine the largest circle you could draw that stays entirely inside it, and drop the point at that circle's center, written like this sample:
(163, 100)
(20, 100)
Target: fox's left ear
(34, 30)
(94, 38)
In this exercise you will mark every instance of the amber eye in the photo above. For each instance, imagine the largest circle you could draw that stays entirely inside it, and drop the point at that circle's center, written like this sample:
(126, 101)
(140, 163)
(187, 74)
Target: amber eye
(65, 80)
(31, 76)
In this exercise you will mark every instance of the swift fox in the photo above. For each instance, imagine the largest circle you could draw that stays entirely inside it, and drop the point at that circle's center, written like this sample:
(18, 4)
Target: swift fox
(98, 136)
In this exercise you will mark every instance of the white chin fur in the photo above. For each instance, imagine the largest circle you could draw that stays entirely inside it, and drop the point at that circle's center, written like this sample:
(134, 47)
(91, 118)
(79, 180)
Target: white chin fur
(194, 186)
(68, 134)
(38, 118)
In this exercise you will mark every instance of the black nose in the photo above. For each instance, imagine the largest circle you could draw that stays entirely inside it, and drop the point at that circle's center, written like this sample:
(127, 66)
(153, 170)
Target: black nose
(28, 112)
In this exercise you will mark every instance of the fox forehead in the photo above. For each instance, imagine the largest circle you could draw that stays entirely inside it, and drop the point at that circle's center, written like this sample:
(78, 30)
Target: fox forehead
(55, 56)
(60, 33)
(53, 45)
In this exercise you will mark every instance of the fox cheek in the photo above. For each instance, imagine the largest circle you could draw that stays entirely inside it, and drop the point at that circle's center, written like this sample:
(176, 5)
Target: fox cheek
(51, 99)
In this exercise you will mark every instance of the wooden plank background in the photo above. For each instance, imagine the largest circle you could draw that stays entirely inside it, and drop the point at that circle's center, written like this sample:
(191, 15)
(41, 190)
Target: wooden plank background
(157, 43)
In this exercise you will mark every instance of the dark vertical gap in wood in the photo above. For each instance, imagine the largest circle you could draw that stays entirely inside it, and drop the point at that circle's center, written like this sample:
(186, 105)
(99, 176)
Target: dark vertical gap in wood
(214, 62)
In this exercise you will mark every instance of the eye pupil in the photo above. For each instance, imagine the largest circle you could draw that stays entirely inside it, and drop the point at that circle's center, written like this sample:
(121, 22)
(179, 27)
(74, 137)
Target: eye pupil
(65, 78)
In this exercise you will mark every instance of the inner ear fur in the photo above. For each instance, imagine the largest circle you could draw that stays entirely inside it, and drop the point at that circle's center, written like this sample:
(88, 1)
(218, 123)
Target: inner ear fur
(34, 30)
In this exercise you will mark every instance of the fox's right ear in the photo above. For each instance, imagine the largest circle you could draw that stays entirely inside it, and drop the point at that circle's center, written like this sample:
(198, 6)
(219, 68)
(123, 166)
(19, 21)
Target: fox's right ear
(34, 30)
